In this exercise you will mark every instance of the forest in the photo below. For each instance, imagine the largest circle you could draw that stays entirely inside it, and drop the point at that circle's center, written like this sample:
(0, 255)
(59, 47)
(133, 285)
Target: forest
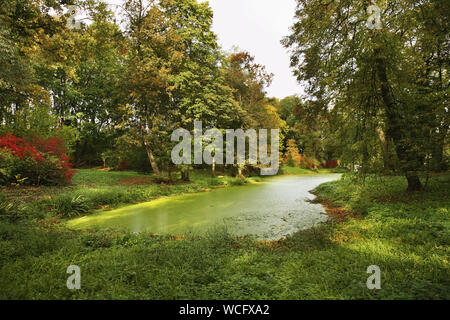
(90, 93)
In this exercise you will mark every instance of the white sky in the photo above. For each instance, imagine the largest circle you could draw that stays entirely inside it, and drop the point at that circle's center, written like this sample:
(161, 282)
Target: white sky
(257, 26)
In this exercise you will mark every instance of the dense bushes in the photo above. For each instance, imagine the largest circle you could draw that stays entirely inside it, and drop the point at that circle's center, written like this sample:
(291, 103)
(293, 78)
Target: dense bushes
(34, 162)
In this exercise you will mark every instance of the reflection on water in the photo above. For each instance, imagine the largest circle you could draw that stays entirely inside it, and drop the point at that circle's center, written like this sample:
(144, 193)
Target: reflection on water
(269, 210)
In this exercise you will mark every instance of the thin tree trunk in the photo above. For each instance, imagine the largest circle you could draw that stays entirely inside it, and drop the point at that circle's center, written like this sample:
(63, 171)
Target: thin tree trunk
(185, 175)
(240, 175)
(149, 150)
(384, 148)
(152, 159)
(438, 154)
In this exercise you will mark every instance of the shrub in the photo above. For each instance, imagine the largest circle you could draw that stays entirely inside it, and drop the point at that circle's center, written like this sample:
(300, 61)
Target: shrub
(237, 181)
(124, 165)
(292, 157)
(99, 239)
(38, 162)
(304, 164)
(215, 182)
(290, 161)
(331, 164)
(69, 206)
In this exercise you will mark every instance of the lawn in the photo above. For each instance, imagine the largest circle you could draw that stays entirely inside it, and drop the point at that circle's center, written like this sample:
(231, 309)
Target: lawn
(377, 223)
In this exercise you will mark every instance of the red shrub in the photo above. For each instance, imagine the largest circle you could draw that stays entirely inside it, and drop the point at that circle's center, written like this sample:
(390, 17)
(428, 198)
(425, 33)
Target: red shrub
(332, 164)
(55, 147)
(19, 147)
(40, 161)
(124, 165)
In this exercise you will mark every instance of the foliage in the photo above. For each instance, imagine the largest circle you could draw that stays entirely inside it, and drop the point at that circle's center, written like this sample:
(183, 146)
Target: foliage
(69, 206)
(382, 89)
(292, 156)
(38, 162)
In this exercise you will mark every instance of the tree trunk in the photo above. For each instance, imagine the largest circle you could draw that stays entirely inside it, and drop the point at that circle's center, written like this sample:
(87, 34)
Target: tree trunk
(185, 174)
(240, 175)
(384, 149)
(414, 183)
(213, 168)
(437, 159)
(152, 159)
(149, 150)
(396, 128)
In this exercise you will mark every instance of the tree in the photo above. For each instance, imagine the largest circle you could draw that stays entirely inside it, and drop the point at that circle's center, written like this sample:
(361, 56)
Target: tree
(173, 76)
(374, 73)
(155, 53)
(24, 25)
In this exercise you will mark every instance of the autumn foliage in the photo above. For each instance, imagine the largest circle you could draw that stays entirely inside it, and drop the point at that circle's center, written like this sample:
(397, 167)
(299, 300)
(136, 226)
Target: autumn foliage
(19, 148)
(294, 158)
(34, 161)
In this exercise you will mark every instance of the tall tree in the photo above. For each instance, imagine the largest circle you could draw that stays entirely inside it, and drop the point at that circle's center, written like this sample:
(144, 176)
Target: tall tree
(345, 60)
(173, 72)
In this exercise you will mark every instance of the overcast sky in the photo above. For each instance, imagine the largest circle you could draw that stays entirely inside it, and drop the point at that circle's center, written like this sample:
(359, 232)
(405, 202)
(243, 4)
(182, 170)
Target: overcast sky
(257, 26)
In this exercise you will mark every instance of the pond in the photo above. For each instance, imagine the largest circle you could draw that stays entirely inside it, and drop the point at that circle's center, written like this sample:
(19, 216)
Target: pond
(269, 210)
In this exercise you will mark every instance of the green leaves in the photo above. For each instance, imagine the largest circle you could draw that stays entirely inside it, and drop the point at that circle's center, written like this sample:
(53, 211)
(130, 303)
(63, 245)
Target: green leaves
(375, 79)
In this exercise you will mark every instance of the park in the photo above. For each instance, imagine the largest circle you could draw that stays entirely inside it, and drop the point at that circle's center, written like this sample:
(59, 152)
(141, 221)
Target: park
(144, 157)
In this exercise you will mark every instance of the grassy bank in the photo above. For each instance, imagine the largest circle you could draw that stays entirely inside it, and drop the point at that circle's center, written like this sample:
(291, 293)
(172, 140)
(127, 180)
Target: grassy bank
(96, 189)
(406, 235)
(287, 170)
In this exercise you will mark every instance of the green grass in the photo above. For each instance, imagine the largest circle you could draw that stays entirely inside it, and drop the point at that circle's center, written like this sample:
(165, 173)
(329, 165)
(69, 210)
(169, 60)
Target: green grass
(406, 235)
(296, 170)
(287, 170)
(89, 177)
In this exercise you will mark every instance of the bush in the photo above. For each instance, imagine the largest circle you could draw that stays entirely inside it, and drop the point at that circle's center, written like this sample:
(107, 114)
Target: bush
(69, 206)
(38, 162)
(290, 161)
(237, 181)
(99, 239)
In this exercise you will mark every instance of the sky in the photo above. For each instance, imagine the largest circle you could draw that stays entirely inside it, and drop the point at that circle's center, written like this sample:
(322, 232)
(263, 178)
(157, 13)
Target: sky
(257, 26)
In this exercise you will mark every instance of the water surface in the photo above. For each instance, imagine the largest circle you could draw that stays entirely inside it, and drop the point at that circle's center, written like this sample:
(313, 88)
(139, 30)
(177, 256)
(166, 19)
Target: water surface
(269, 210)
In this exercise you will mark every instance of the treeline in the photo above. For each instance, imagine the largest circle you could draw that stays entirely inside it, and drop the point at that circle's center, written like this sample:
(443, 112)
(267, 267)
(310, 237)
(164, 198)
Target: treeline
(115, 88)
(116, 85)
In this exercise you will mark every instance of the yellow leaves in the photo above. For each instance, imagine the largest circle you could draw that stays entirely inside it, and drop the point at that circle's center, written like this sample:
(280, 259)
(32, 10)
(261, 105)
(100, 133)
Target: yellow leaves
(182, 237)
(171, 88)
